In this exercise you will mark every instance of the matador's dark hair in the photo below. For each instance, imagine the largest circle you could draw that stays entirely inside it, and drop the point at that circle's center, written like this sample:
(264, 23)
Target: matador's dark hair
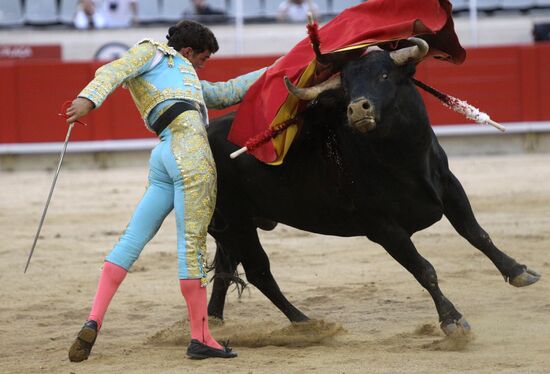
(192, 34)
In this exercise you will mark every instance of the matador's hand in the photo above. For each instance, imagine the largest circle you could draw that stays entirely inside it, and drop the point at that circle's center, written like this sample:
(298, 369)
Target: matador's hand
(78, 108)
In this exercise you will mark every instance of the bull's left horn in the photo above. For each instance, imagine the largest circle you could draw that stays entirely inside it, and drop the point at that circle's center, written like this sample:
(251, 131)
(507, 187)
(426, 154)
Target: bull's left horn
(417, 52)
(310, 93)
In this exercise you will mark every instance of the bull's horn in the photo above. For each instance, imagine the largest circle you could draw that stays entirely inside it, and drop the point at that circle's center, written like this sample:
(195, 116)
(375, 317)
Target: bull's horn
(310, 93)
(419, 50)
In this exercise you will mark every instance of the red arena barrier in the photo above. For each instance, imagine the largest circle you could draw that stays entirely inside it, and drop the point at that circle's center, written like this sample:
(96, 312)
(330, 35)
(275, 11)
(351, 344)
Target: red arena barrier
(505, 82)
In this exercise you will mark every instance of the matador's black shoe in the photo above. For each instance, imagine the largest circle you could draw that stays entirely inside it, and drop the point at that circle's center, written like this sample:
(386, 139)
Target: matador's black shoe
(199, 351)
(82, 345)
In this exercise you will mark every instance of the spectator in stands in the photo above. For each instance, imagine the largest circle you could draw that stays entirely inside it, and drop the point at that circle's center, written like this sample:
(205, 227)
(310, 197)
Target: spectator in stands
(105, 14)
(87, 16)
(119, 13)
(296, 10)
(203, 12)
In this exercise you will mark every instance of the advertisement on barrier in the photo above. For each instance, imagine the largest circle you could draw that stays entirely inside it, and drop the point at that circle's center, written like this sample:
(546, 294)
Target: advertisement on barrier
(29, 52)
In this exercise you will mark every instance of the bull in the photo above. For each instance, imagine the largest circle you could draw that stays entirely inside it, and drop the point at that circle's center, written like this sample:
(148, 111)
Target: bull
(366, 162)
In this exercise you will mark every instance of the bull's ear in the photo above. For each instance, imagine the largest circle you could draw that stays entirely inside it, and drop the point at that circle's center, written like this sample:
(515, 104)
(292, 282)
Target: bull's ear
(409, 69)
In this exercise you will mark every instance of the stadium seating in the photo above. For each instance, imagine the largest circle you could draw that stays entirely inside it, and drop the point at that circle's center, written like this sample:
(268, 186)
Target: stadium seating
(517, 4)
(67, 10)
(148, 11)
(272, 8)
(340, 5)
(11, 13)
(251, 8)
(488, 5)
(324, 6)
(172, 10)
(221, 10)
(45, 12)
(460, 5)
(219, 4)
(41, 12)
(269, 9)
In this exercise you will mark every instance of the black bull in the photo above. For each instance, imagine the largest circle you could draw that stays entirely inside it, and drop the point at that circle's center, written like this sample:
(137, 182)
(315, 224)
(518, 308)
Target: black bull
(366, 162)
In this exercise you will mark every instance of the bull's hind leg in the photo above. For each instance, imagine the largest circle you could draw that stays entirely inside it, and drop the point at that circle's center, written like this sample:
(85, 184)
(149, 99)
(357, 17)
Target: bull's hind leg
(399, 245)
(459, 212)
(244, 246)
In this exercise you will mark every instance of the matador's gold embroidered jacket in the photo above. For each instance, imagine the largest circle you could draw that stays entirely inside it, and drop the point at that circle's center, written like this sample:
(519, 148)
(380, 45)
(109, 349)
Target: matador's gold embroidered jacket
(157, 74)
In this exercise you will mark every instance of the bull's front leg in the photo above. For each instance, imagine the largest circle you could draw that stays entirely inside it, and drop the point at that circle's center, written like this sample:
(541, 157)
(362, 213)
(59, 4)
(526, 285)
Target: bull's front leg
(257, 268)
(399, 245)
(458, 210)
(225, 267)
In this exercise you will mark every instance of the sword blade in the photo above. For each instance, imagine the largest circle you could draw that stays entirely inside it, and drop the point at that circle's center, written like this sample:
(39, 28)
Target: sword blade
(49, 195)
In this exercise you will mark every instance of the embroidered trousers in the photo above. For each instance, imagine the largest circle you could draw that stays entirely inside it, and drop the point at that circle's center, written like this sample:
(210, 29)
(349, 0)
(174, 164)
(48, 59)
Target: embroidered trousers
(182, 177)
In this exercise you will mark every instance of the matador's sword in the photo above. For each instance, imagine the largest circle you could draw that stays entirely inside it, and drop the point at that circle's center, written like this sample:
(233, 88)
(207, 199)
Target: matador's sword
(63, 109)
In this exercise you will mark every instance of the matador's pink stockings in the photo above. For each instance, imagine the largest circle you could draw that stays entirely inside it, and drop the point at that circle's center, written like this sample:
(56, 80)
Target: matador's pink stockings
(195, 297)
(111, 277)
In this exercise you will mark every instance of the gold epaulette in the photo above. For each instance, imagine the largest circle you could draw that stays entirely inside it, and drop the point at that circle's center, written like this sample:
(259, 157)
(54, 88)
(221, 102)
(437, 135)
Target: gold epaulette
(164, 48)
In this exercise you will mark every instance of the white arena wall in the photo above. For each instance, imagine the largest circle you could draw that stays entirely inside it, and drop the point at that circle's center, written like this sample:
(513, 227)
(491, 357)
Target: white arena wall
(460, 140)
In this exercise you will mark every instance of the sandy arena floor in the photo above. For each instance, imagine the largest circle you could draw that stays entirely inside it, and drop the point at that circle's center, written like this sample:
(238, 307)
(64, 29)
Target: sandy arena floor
(371, 315)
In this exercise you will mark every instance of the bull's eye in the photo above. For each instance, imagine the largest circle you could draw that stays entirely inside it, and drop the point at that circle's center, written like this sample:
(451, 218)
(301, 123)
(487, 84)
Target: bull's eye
(385, 76)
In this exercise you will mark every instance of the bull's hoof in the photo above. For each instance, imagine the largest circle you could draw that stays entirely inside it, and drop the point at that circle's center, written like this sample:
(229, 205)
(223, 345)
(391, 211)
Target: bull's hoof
(459, 327)
(526, 278)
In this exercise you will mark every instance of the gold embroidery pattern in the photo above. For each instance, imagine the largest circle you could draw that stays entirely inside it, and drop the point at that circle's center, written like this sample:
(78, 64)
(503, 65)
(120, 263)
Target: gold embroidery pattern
(146, 96)
(110, 76)
(127, 70)
(191, 81)
(196, 163)
(163, 47)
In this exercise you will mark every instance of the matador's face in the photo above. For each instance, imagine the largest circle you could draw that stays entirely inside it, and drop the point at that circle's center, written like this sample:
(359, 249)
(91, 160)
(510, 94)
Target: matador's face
(197, 59)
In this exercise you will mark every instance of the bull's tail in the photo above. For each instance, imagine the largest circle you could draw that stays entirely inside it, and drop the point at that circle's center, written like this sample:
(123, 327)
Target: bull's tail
(225, 268)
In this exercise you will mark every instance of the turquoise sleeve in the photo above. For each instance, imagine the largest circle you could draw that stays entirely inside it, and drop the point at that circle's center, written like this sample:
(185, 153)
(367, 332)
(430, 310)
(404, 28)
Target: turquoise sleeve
(220, 95)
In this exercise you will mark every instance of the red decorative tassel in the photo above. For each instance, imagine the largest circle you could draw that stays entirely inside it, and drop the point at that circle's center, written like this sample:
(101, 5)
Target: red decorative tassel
(268, 134)
(313, 32)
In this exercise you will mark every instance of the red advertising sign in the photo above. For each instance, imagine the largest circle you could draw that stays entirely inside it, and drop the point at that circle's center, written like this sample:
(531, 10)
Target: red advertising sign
(26, 52)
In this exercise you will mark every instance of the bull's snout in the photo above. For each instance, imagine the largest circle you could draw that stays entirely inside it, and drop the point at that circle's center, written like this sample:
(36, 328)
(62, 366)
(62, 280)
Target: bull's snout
(361, 115)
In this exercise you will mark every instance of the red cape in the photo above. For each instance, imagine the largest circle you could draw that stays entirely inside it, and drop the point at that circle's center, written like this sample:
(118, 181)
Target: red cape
(268, 103)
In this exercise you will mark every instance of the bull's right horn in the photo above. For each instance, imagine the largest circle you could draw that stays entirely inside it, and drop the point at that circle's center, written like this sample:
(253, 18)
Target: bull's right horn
(417, 52)
(310, 93)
